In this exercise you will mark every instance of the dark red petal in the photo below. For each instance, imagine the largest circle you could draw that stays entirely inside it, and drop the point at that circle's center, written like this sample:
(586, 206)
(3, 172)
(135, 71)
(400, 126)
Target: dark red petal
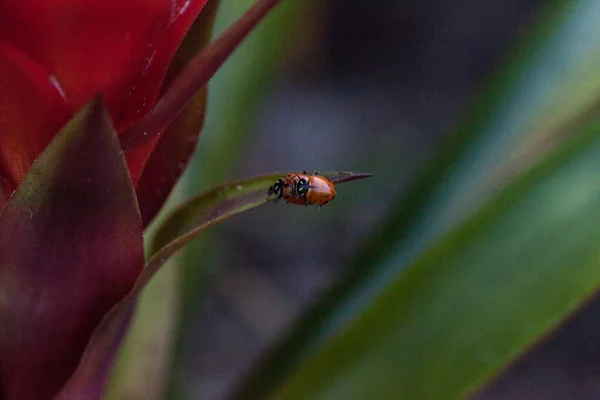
(32, 110)
(121, 48)
(70, 248)
(176, 145)
(183, 89)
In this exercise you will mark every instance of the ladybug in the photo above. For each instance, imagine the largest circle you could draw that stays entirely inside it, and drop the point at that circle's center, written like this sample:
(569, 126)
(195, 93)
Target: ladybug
(303, 189)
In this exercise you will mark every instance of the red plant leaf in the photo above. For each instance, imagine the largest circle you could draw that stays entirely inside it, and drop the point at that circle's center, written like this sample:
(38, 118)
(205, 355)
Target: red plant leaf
(185, 87)
(31, 111)
(177, 143)
(88, 46)
(121, 48)
(70, 248)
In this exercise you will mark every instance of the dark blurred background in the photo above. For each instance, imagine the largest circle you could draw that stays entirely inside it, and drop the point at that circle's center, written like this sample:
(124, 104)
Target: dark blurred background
(353, 85)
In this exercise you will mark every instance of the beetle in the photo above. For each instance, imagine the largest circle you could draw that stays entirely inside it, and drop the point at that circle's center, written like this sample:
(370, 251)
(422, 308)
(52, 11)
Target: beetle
(303, 189)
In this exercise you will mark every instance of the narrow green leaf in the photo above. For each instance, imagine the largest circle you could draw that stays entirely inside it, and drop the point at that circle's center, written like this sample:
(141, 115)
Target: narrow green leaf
(478, 297)
(219, 203)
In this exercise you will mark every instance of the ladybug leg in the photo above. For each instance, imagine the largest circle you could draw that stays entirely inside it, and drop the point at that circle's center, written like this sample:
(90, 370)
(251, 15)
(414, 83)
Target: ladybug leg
(320, 206)
(316, 172)
(304, 172)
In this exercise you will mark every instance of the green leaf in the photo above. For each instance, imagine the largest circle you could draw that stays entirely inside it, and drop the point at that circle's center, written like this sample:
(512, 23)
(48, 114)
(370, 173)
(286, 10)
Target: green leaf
(478, 297)
(70, 248)
(219, 203)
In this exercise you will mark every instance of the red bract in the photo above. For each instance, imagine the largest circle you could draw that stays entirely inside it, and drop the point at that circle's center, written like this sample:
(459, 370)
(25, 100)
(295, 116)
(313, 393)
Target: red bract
(70, 247)
(56, 55)
(88, 153)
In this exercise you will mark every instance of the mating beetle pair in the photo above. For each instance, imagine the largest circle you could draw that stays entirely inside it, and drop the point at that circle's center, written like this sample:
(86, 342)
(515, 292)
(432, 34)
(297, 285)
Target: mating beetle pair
(303, 189)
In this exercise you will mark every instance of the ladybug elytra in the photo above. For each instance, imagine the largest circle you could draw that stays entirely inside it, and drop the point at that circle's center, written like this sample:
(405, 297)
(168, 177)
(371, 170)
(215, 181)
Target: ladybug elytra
(303, 189)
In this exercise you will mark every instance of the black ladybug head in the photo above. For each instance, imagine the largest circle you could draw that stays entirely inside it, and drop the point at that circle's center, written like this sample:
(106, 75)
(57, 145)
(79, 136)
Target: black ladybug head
(301, 187)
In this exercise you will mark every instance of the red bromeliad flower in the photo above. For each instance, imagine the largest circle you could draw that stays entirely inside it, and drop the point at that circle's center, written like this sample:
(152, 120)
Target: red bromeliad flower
(80, 175)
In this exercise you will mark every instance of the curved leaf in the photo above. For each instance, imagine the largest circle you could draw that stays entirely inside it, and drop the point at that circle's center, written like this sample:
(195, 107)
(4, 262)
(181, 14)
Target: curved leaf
(207, 208)
(71, 247)
(183, 225)
(220, 203)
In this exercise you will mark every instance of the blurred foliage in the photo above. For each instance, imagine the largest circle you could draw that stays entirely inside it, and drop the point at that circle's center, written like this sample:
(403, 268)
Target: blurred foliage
(519, 119)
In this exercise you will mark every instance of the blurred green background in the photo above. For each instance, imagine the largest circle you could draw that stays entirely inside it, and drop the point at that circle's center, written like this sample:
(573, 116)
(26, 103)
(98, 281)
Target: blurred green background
(476, 238)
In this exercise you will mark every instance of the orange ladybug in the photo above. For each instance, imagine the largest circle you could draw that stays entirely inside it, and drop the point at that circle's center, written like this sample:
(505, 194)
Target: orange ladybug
(304, 189)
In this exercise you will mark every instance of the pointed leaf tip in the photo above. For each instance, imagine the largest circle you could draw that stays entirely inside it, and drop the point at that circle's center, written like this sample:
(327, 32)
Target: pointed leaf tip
(346, 176)
(70, 248)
